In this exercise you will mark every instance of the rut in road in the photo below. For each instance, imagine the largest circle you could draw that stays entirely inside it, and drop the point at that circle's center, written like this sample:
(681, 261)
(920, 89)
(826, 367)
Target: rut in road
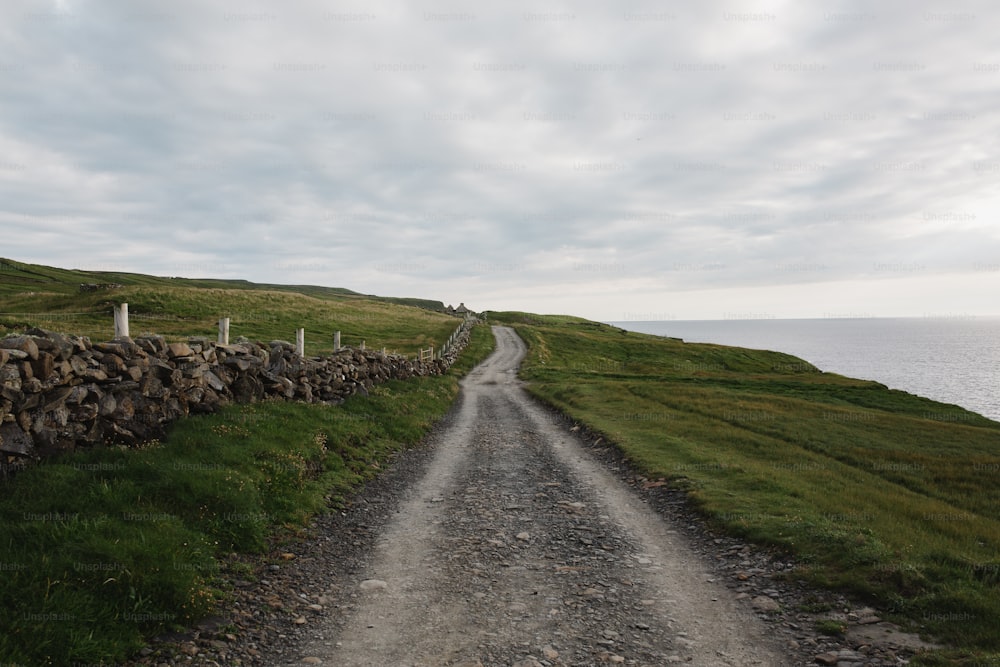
(517, 548)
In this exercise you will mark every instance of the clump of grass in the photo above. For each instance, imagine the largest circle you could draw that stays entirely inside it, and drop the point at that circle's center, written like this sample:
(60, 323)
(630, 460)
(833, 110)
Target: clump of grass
(103, 548)
(831, 627)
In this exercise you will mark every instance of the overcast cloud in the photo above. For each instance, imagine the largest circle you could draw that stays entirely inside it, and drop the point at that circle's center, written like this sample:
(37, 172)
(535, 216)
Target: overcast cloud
(638, 160)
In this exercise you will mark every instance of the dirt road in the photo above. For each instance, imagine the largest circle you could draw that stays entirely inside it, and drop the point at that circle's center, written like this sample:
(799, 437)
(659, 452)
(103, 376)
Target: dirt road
(517, 548)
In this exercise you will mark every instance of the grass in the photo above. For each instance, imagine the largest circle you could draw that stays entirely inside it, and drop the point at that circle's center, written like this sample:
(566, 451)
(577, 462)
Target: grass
(831, 627)
(104, 548)
(885, 495)
(32, 295)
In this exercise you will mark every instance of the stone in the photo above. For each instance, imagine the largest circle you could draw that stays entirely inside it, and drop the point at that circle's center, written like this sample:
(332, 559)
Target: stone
(151, 344)
(194, 369)
(113, 364)
(151, 387)
(78, 365)
(10, 378)
(86, 412)
(198, 343)
(175, 350)
(247, 389)
(240, 363)
(524, 537)
(312, 660)
(214, 381)
(25, 344)
(15, 355)
(373, 585)
(14, 441)
(764, 603)
(107, 405)
(94, 375)
(846, 655)
(826, 658)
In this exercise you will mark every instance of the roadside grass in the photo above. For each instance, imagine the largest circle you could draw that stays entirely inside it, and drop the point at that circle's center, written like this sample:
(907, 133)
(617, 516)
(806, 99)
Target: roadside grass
(106, 547)
(178, 308)
(888, 496)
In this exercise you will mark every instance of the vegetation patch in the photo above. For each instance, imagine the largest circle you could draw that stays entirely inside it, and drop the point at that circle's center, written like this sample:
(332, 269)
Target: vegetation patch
(52, 298)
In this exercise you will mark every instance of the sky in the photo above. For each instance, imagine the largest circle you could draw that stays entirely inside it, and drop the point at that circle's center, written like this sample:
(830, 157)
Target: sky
(618, 161)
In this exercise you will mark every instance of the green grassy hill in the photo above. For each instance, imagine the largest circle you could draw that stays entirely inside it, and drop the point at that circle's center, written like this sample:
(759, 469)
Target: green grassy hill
(32, 295)
(890, 496)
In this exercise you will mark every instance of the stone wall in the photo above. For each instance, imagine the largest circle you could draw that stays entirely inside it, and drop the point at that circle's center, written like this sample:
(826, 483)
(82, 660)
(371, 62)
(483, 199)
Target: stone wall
(59, 392)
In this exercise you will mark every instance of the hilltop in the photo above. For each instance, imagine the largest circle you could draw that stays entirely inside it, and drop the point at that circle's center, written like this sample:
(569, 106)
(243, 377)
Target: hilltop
(81, 302)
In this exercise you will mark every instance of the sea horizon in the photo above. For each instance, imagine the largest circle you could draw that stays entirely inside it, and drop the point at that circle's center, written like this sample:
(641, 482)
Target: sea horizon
(950, 359)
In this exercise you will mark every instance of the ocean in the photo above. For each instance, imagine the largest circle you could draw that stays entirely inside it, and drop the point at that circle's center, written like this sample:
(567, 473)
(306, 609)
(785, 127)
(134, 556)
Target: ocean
(952, 360)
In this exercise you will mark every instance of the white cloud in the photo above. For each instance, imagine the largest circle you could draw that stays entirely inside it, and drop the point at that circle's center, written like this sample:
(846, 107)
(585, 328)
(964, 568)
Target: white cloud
(582, 158)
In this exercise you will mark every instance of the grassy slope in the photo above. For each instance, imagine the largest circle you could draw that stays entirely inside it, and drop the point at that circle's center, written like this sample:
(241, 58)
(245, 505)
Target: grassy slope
(107, 546)
(32, 295)
(890, 496)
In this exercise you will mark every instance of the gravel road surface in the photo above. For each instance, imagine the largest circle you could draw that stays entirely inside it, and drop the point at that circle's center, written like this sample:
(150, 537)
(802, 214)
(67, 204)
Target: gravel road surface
(516, 547)
(514, 538)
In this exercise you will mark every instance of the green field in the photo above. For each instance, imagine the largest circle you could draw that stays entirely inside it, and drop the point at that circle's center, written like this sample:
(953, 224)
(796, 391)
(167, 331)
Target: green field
(889, 496)
(50, 298)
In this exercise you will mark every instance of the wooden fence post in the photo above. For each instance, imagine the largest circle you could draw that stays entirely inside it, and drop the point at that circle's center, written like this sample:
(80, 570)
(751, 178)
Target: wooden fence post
(121, 321)
(224, 331)
(362, 345)
(300, 342)
(336, 341)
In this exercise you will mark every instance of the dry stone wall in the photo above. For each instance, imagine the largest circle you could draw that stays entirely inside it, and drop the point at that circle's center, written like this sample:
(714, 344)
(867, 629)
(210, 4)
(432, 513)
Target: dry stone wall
(59, 392)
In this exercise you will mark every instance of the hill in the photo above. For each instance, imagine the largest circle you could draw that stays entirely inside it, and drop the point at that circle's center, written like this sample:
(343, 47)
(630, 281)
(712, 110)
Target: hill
(53, 298)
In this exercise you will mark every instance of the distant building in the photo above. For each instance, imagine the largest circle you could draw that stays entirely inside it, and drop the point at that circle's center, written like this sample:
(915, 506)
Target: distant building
(461, 311)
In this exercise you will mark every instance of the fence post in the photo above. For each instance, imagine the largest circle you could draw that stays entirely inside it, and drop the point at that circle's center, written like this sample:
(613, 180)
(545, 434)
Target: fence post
(362, 345)
(336, 341)
(121, 321)
(224, 331)
(300, 342)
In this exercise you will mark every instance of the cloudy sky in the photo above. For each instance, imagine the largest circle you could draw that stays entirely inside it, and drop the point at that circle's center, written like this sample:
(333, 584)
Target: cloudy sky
(620, 161)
